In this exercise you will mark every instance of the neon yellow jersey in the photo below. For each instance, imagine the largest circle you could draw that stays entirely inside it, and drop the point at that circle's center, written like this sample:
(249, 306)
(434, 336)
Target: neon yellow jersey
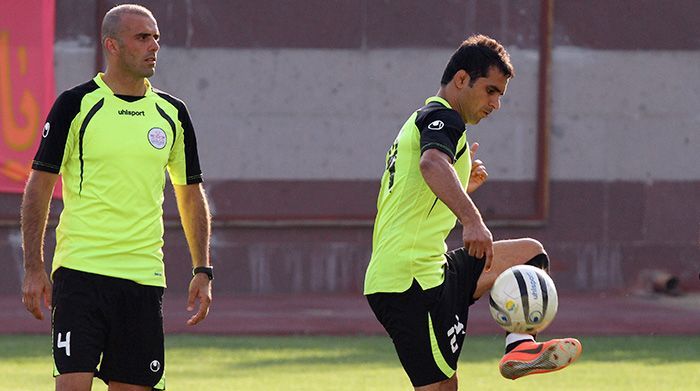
(112, 152)
(412, 223)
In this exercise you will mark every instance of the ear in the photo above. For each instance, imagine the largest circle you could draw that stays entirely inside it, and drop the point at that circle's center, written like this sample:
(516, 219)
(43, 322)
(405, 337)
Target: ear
(111, 45)
(461, 79)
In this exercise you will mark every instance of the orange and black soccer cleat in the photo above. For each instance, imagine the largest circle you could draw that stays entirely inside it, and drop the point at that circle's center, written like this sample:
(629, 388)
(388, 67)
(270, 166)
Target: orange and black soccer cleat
(531, 357)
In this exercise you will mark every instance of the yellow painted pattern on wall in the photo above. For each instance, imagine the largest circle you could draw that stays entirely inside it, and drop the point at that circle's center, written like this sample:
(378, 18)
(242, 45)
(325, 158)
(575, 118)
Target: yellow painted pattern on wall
(26, 85)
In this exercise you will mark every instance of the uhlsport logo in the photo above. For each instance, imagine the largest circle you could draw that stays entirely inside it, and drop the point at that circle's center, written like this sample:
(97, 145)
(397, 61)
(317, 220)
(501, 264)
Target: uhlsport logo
(436, 125)
(534, 284)
(155, 366)
(157, 138)
(45, 132)
(131, 113)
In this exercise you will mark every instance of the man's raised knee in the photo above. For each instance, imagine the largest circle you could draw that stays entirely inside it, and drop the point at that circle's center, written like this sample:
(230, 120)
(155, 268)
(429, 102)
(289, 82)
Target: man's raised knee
(534, 246)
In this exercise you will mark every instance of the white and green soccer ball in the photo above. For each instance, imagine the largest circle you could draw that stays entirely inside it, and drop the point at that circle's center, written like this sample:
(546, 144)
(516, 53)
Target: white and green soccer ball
(523, 299)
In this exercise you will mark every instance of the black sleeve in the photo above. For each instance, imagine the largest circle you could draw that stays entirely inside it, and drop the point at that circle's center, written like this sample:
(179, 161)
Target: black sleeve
(440, 129)
(194, 172)
(55, 133)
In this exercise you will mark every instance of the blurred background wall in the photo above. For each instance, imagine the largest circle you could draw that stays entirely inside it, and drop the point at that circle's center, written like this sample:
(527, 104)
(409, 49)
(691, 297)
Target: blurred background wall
(296, 102)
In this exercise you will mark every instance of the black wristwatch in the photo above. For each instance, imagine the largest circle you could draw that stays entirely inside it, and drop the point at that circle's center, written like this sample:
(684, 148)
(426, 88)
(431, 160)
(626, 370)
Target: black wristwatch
(208, 270)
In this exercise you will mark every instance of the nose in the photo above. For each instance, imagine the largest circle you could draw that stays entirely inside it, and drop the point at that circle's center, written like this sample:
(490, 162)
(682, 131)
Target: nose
(154, 46)
(496, 103)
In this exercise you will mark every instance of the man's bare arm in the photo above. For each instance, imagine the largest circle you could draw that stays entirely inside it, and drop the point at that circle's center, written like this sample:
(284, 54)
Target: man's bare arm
(196, 222)
(35, 211)
(442, 179)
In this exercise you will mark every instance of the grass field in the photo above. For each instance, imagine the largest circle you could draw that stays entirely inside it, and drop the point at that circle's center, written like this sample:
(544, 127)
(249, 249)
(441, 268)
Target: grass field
(369, 363)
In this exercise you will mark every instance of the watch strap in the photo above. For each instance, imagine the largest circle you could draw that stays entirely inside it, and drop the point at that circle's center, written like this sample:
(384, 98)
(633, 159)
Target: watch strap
(208, 270)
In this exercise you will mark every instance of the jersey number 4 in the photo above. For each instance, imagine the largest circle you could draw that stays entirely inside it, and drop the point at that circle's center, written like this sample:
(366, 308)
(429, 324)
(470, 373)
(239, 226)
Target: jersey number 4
(64, 343)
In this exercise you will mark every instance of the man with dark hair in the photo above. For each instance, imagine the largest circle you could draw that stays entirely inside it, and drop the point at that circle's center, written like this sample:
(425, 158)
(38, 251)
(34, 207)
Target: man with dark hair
(112, 139)
(418, 291)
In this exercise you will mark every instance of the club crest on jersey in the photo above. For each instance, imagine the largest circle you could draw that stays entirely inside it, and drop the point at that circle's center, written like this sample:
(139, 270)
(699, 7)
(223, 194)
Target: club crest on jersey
(436, 125)
(157, 138)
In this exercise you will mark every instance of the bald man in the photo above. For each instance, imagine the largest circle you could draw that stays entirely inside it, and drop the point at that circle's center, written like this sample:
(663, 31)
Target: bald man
(110, 140)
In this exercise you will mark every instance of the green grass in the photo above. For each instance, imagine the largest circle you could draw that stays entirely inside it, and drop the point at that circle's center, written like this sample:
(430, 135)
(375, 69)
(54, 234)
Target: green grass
(369, 363)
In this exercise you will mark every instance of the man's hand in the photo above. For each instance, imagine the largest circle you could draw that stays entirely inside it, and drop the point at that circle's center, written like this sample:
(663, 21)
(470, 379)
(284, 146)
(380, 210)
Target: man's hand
(478, 174)
(200, 288)
(478, 241)
(35, 287)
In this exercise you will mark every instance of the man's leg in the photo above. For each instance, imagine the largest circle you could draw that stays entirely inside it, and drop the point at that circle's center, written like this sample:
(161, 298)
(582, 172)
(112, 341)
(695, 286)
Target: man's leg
(445, 385)
(507, 253)
(134, 358)
(77, 334)
(117, 386)
(77, 381)
(451, 313)
(523, 355)
(428, 326)
(406, 318)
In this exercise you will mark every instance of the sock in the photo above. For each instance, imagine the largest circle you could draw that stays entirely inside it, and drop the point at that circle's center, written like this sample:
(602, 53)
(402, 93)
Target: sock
(514, 339)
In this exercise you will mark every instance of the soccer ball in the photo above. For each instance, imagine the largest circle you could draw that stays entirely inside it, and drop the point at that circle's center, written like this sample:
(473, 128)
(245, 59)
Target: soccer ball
(523, 299)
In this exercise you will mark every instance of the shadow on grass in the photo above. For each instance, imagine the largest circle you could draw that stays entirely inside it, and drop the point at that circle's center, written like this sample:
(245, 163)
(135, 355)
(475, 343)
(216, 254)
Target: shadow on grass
(247, 352)
(24, 346)
(261, 352)
(648, 350)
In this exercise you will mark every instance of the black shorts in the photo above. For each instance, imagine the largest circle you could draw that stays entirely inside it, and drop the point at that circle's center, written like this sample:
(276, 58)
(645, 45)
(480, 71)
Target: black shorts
(428, 326)
(118, 319)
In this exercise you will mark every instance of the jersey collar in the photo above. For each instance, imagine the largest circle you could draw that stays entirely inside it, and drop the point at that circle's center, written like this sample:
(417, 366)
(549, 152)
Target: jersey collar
(101, 83)
(439, 100)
